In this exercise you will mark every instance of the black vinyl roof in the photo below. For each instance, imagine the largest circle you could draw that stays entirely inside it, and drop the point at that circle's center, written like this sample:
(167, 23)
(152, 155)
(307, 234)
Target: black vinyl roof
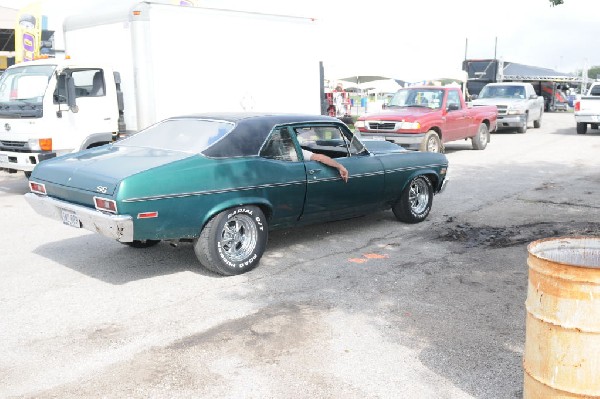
(251, 130)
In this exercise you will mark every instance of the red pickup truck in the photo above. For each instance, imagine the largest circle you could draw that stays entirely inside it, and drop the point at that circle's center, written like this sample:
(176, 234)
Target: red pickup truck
(425, 117)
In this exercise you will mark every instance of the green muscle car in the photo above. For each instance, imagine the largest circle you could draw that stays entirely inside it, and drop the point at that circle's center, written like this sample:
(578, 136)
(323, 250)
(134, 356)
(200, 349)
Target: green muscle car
(222, 181)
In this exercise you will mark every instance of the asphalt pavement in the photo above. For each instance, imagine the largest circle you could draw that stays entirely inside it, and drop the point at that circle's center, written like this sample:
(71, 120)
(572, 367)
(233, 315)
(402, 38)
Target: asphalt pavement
(361, 308)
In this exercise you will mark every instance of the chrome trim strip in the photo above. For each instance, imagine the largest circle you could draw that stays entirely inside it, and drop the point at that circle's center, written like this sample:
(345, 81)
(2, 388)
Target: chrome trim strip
(271, 185)
(209, 192)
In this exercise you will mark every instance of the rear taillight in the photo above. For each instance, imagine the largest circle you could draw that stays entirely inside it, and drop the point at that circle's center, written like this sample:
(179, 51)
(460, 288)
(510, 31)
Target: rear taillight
(106, 205)
(577, 106)
(37, 188)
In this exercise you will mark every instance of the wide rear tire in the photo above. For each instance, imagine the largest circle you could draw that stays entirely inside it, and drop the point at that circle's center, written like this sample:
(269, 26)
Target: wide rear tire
(581, 128)
(233, 241)
(414, 204)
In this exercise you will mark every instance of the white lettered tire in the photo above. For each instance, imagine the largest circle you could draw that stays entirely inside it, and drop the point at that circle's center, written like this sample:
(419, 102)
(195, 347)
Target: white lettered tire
(233, 241)
(414, 204)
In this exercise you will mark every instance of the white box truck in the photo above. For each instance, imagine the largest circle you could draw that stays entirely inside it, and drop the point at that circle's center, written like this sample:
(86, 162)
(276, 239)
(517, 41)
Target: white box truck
(132, 66)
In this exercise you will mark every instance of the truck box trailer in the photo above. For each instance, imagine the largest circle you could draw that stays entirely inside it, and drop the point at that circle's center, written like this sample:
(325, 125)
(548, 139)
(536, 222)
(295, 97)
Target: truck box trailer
(131, 66)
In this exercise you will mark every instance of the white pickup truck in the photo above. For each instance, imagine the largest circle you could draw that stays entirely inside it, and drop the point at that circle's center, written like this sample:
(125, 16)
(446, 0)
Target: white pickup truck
(517, 103)
(587, 109)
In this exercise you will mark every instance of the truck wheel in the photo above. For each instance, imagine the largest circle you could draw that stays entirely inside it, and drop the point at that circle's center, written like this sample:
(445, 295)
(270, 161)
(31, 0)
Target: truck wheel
(415, 202)
(233, 241)
(581, 128)
(27, 174)
(594, 125)
(523, 129)
(480, 140)
(431, 142)
(538, 123)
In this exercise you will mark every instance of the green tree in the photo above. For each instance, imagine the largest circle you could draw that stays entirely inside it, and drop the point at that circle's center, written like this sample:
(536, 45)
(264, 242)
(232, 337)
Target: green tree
(555, 2)
(594, 71)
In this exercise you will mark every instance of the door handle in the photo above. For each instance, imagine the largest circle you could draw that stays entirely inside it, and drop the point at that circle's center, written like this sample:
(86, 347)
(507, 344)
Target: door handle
(313, 171)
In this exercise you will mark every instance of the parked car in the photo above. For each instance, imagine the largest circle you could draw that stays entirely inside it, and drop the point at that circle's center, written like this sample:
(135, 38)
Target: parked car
(425, 118)
(223, 181)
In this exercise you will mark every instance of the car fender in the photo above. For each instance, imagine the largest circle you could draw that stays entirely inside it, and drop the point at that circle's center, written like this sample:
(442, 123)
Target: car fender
(262, 203)
(430, 173)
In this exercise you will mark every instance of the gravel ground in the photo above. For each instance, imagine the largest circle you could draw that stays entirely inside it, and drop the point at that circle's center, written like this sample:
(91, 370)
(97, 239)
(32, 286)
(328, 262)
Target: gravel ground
(362, 308)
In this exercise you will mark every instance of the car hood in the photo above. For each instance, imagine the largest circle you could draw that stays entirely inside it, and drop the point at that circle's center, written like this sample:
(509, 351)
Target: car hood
(102, 169)
(407, 114)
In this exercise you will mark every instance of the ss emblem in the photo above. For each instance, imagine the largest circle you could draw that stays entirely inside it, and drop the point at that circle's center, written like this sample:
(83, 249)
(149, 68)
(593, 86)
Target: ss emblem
(101, 189)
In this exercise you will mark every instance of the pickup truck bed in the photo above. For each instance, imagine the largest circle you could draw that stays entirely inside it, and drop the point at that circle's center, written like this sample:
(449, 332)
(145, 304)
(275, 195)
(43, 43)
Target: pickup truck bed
(587, 110)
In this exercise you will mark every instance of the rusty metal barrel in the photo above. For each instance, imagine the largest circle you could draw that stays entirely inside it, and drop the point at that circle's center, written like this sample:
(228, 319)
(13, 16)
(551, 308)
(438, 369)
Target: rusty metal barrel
(562, 337)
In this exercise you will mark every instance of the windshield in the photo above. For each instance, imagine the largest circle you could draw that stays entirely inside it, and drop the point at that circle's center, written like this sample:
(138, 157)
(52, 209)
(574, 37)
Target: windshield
(417, 97)
(502, 92)
(185, 135)
(22, 90)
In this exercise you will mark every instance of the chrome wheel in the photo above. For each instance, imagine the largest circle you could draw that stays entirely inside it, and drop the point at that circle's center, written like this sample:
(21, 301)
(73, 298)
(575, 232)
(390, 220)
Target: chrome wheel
(432, 144)
(238, 237)
(418, 196)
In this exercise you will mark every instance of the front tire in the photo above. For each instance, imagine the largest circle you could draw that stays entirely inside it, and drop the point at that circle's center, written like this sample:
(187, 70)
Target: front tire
(481, 139)
(523, 129)
(581, 128)
(415, 202)
(233, 242)
(431, 142)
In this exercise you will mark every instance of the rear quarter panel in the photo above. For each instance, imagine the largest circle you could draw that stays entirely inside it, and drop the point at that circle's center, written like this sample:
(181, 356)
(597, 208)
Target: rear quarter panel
(188, 193)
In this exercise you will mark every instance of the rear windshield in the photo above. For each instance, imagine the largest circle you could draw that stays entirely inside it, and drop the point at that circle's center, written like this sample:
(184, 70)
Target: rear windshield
(185, 135)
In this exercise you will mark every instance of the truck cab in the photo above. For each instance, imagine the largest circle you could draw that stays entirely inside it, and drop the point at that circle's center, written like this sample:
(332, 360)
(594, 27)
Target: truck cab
(51, 107)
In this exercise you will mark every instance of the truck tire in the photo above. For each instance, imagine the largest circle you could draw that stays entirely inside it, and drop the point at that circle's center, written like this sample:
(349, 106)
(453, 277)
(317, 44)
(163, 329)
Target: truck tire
(581, 128)
(523, 129)
(431, 142)
(480, 140)
(594, 126)
(27, 174)
(233, 241)
(414, 203)
(538, 123)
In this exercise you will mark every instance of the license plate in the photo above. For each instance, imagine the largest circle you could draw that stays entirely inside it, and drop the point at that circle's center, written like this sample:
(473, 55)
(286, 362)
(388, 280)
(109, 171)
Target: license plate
(380, 138)
(3, 158)
(70, 219)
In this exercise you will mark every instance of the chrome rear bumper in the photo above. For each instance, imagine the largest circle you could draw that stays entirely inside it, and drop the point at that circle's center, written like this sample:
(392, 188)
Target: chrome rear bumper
(118, 227)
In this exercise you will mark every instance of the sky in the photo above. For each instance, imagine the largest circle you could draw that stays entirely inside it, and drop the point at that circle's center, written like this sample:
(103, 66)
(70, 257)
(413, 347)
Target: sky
(428, 39)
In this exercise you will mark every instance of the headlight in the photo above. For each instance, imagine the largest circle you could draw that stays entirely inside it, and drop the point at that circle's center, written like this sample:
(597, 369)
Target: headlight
(516, 111)
(358, 124)
(408, 125)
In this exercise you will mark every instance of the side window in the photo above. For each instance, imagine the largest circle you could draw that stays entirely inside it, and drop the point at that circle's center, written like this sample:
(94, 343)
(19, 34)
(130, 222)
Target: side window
(453, 99)
(280, 146)
(327, 140)
(89, 83)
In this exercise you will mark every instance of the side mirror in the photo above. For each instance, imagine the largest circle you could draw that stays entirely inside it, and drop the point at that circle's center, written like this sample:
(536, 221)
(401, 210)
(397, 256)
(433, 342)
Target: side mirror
(533, 96)
(453, 107)
(71, 95)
